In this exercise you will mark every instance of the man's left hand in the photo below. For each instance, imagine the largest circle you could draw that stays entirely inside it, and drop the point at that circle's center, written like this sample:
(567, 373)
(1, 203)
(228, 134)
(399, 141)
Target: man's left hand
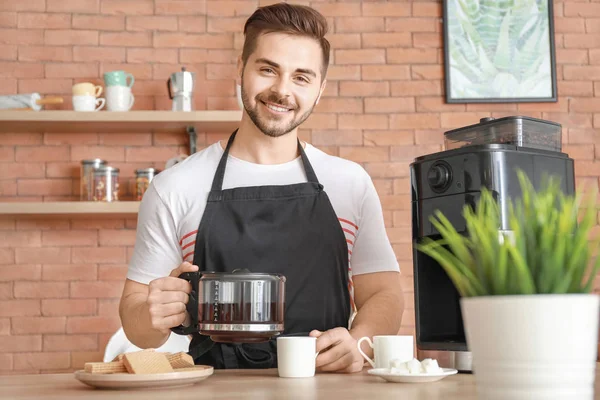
(338, 351)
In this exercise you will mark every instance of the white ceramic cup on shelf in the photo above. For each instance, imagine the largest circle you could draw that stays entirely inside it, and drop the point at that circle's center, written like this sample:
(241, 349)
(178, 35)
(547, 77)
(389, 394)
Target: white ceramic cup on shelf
(296, 356)
(388, 348)
(119, 98)
(88, 103)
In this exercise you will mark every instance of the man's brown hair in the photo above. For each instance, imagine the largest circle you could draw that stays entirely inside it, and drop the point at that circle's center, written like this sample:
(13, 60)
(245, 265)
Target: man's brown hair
(290, 19)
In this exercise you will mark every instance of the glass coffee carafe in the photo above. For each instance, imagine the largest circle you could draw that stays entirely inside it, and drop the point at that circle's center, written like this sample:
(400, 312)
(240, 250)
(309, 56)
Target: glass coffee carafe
(240, 306)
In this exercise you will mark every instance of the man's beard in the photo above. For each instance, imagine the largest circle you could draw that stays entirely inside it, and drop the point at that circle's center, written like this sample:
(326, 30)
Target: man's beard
(262, 125)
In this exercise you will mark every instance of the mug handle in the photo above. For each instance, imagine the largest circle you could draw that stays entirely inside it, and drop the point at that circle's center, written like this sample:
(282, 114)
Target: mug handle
(131, 100)
(128, 75)
(98, 90)
(366, 357)
(191, 306)
(102, 101)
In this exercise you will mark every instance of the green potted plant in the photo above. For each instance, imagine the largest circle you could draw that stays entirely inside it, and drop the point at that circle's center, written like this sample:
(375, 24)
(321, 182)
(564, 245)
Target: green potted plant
(530, 319)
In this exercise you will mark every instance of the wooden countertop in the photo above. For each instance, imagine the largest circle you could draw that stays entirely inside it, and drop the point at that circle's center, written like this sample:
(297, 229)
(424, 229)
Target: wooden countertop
(251, 384)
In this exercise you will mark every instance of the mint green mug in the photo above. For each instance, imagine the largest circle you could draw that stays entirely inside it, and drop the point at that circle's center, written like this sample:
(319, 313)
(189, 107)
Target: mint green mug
(118, 78)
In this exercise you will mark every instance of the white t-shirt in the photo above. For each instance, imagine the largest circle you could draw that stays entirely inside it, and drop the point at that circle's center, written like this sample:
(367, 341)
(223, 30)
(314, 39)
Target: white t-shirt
(173, 205)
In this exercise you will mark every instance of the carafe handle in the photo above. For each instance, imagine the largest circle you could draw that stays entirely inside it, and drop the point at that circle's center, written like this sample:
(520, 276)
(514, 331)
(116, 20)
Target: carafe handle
(192, 305)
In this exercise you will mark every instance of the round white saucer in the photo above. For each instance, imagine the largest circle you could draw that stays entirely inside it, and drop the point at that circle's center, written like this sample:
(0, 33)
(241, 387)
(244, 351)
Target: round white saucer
(411, 378)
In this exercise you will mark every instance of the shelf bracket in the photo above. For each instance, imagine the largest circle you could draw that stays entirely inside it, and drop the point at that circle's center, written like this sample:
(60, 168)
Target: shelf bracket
(193, 138)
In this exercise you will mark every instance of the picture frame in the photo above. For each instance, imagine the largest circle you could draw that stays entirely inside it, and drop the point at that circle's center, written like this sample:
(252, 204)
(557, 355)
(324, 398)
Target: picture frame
(498, 52)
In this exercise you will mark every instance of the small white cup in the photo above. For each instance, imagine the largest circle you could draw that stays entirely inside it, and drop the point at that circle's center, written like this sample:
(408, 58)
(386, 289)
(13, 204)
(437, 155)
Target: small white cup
(88, 103)
(296, 356)
(119, 98)
(388, 348)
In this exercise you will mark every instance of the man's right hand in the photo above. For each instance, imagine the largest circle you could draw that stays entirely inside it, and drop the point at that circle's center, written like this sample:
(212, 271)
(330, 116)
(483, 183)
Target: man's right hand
(167, 298)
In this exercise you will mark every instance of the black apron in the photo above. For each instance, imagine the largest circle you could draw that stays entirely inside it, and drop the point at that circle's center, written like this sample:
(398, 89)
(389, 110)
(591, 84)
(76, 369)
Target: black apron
(290, 229)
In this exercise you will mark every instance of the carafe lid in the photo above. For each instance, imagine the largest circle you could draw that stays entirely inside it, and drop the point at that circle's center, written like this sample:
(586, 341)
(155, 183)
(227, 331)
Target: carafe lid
(242, 275)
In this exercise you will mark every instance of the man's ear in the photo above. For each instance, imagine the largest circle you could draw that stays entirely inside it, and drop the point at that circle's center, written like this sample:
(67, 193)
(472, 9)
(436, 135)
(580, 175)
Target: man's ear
(321, 90)
(240, 68)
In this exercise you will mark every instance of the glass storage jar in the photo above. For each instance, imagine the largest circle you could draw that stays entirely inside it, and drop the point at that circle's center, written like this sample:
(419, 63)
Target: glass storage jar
(106, 183)
(87, 179)
(143, 177)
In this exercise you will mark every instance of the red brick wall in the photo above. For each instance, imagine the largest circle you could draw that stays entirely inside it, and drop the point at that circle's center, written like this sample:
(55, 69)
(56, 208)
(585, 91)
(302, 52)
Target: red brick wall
(60, 280)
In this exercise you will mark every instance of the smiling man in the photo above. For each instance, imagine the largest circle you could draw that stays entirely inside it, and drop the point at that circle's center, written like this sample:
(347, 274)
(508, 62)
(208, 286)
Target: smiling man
(318, 217)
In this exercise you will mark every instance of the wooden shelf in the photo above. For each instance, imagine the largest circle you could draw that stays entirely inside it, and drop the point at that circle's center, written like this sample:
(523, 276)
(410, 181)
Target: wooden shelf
(103, 121)
(106, 121)
(69, 209)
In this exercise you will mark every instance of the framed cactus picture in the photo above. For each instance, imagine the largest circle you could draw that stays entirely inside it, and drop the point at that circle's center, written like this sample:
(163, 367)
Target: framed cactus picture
(499, 51)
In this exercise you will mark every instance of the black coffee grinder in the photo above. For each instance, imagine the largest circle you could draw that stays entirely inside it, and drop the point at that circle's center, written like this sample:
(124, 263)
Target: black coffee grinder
(487, 155)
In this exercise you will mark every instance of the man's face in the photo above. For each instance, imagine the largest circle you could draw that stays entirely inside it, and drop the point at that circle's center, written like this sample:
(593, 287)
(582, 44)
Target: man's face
(281, 82)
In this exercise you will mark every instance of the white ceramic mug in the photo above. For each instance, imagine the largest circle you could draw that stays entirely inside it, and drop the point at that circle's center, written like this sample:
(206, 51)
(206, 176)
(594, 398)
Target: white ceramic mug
(119, 98)
(388, 348)
(296, 356)
(88, 103)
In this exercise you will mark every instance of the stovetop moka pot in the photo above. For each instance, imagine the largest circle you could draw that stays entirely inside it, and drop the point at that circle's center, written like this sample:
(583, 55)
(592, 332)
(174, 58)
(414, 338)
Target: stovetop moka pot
(235, 307)
(180, 86)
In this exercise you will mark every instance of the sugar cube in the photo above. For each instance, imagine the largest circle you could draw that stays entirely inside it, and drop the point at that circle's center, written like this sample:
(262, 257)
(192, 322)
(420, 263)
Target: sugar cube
(430, 366)
(398, 367)
(414, 366)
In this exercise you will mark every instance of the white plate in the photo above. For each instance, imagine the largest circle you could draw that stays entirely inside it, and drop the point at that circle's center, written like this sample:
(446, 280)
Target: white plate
(411, 378)
(182, 377)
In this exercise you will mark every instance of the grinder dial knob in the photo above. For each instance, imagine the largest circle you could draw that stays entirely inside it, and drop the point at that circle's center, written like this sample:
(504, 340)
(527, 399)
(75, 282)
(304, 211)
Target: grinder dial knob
(439, 176)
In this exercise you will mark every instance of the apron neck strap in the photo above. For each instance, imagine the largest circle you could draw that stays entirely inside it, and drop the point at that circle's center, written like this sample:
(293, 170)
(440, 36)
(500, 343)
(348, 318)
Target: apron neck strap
(220, 174)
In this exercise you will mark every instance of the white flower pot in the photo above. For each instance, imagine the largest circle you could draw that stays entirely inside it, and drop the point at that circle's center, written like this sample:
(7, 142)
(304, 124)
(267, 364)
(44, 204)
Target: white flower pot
(537, 347)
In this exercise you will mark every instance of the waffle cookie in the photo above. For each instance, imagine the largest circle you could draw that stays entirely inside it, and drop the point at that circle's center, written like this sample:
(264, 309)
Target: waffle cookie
(105, 368)
(180, 360)
(120, 356)
(147, 362)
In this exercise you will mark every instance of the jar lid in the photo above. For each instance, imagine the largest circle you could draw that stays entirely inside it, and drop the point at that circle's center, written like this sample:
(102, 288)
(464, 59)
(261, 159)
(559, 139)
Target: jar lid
(106, 169)
(95, 161)
(147, 171)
